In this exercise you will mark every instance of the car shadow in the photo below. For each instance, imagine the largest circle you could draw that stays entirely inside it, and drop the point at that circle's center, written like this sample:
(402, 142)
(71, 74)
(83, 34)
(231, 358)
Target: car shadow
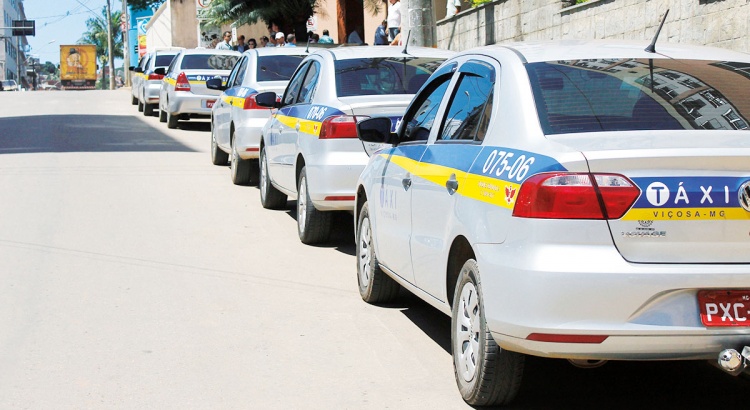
(195, 125)
(83, 133)
(557, 384)
(342, 231)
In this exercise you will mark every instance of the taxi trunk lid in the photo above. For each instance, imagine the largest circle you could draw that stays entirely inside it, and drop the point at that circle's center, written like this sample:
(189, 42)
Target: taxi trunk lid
(198, 78)
(692, 185)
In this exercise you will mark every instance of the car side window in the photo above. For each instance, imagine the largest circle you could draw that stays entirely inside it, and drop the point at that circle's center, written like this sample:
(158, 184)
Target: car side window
(237, 74)
(470, 106)
(419, 122)
(308, 86)
(293, 89)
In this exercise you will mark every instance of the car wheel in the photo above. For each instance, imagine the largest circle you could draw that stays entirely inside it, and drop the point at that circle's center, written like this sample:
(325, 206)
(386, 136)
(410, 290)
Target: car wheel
(218, 157)
(486, 374)
(133, 100)
(148, 109)
(162, 115)
(313, 226)
(172, 120)
(270, 197)
(140, 106)
(374, 285)
(241, 169)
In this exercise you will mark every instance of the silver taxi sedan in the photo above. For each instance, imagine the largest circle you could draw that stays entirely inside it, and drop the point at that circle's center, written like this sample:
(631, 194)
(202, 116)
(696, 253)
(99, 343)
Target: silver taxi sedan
(236, 118)
(309, 148)
(184, 94)
(579, 200)
(146, 83)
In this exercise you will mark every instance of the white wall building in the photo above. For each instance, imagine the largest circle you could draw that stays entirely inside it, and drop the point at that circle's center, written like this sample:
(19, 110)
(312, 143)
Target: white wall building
(12, 57)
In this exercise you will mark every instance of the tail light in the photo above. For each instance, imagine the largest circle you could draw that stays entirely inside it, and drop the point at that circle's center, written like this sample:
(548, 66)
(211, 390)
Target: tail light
(340, 126)
(251, 104)
(182, 83)
(153, 76)
(575, 196)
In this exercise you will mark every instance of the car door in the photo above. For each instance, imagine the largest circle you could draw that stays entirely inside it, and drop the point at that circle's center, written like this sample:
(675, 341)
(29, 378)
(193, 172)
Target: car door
(225, 108)
(281, 139)
(392, 195)
(443, 170)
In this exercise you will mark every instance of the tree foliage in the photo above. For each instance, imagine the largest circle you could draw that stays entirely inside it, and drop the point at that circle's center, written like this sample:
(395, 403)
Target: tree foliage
(145, 4)
(97, 35)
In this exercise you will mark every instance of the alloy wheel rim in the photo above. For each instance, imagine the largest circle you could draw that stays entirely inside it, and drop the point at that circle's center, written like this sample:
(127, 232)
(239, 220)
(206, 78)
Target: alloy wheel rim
(233, 162)
(365, 256)
(467, 332)
(302, 205)
(263, 176)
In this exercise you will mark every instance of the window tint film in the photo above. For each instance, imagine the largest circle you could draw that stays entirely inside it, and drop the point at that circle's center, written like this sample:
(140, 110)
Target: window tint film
(308, 86)
(292, 89)
(621, 95)
(163, 60)
(467, 109)
(208, 62)
(419, 122)
(370, 76)
(277, 68)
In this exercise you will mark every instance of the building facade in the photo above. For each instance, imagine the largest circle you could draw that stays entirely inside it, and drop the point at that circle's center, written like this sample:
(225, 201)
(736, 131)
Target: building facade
(12, 56)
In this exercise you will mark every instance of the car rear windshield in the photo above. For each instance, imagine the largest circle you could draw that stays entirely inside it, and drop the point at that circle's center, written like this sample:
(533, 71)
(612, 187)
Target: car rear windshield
(208, 62)
(277, 68)
(627, 94)
(163, 60)
(395, 75)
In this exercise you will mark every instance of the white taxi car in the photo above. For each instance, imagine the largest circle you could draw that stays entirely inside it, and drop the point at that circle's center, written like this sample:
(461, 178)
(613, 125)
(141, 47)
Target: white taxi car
(146, 84)
(578, 200)
(236, 118)
(309, 148)
(184, 94)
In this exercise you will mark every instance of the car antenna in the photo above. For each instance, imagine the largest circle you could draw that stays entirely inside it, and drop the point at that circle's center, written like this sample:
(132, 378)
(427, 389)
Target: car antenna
(406, 44)
(307, 49)
(652, 49)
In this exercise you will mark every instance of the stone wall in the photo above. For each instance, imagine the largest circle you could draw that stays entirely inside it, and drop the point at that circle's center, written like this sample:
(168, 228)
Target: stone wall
(719, 23)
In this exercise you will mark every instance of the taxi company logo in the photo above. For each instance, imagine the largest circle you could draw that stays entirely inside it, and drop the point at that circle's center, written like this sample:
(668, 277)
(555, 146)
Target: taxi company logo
(645, 224)
(510, 192)
(657, 194)
(744, 195)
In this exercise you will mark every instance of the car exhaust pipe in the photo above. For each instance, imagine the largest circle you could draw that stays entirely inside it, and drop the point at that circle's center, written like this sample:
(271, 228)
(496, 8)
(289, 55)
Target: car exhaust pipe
(732, 362)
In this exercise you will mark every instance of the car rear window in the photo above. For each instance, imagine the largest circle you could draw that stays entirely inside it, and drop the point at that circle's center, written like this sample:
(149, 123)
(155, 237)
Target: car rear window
(163, 60)
(208, 61)
(628, 94)
(277, 68)
(369, 76)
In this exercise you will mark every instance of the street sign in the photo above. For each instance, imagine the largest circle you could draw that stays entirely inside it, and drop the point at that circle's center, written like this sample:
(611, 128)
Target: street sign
(23, 28)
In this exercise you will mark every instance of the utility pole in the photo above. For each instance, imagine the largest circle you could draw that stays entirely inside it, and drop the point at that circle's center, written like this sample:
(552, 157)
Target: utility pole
(125, 48)
(419, 24)
(109, 47)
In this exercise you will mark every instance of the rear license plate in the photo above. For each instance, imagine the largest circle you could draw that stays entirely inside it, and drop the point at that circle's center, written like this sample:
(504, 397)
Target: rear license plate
(725, 307)
(208, 103)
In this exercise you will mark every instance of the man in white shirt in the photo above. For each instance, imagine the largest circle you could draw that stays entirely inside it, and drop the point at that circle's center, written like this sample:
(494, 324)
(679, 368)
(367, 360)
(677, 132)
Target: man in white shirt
(394, 18)
(453, 7)
(225, 45)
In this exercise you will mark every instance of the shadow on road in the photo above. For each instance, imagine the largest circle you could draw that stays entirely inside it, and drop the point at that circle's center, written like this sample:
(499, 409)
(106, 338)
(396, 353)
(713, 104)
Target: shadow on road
(556, 384)
(342, 231)
(83, 133)
(195, 125)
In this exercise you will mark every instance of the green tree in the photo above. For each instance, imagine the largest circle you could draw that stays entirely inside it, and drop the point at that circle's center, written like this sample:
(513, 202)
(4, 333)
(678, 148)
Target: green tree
(97, 35)
(49, 68)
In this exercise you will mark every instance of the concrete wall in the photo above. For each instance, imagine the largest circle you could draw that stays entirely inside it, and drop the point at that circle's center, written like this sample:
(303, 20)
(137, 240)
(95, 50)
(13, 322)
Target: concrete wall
(159, 29)
(719, 23)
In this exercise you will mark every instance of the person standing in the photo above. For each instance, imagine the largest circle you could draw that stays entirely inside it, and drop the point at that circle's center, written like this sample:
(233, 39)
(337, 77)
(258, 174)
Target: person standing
(453, 8)
(291, 40)
(325, 38)
(394, 18)
(225, 45)
(264, 42)
(251, 44)
(241, 46)
(381, 37)
(280, 39)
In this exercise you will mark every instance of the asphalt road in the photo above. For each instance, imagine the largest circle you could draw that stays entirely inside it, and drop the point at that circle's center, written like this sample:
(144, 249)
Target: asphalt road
(133, 274)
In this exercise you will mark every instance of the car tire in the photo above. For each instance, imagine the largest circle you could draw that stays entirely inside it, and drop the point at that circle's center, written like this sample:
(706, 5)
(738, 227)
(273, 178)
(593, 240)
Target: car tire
(486, 374)
(375, 286)
(270, 197)
(148, 109)
(241, 169)
(172, 120)
(140, 106)
(133, 100)
(162, 115)
(218, 157)
(313, 226)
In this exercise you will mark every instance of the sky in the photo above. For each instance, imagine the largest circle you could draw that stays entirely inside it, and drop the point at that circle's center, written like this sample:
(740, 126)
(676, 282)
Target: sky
(62, 22)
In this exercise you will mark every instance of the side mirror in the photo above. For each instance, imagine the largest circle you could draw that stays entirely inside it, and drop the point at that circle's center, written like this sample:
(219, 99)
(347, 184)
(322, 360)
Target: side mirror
(160, 70)
(131, 68)
(215, 84)
(375, 134)
(267, 99)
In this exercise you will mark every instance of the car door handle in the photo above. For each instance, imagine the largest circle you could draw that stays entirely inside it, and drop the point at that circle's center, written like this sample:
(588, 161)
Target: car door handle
(451, 184)
(406, 182)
